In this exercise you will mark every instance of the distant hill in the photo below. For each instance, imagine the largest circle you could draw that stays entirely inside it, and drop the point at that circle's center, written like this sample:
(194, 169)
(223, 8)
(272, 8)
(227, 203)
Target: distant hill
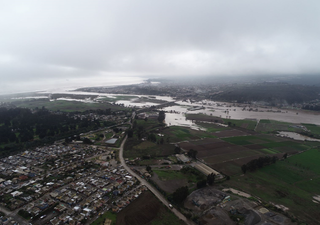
(269, 92)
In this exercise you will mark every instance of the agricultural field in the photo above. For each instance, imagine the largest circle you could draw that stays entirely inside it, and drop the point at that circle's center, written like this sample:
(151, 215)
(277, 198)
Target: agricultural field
(229, 154)
(292, 182)
(230, 133)
(252, 139)
(147, 210)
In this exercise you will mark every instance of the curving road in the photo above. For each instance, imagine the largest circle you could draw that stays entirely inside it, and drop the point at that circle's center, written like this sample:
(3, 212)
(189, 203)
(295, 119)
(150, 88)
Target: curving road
(150, 187)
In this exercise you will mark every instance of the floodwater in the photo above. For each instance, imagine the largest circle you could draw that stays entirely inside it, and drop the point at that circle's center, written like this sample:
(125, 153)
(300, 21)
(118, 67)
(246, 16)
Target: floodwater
(231, 111)
(176, 114)
(296, 136)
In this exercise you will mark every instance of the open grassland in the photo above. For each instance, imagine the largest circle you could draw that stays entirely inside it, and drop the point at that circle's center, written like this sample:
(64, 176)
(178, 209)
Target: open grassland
(247, 124)
(147, 210)
(66, 106)
(292, 183)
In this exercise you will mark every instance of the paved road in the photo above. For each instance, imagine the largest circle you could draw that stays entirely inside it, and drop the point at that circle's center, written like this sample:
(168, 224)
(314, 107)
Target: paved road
(151, 188)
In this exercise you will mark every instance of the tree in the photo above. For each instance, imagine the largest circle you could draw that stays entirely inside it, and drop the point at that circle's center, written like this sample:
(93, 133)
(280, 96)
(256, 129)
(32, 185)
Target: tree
(192, 153)
(148, 168)
(180, 194)
(177, 150)
(244, 168)
(211, 178)
(130, 133)
(152, 137)
(87, 141)
(285, 155)
(161, 116)
(201, 184)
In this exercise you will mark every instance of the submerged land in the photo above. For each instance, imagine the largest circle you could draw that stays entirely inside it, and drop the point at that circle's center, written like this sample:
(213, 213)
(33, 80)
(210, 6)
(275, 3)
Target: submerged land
(162, 152)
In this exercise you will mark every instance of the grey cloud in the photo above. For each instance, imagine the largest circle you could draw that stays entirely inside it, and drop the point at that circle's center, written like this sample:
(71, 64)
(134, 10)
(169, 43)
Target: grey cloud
(48, 40)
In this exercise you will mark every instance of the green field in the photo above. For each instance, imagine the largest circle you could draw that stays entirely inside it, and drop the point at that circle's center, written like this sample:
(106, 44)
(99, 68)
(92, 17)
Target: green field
(177, 134)
(292, 183)
(314, 129)
(247, 124)
(108, 215)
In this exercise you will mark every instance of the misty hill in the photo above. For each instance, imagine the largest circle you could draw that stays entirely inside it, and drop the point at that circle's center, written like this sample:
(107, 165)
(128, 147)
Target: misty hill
(277, 93)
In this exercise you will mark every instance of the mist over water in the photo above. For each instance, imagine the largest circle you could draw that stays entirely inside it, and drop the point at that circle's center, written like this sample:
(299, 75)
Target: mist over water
(60, 85)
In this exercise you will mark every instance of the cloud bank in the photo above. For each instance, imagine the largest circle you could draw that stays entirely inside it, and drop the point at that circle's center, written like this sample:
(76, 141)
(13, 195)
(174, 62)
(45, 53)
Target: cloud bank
(52, 42)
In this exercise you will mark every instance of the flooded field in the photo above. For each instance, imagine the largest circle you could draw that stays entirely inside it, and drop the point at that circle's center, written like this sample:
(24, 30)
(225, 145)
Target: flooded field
(296, 136)
(231, 111)
(175, 115)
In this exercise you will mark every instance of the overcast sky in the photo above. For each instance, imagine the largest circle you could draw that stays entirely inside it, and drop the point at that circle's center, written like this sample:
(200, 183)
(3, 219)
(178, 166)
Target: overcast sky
(50, 43)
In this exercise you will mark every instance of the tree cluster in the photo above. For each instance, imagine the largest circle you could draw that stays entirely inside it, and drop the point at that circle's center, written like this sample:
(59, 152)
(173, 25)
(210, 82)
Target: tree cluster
(258, 163)
(161, 116)
(192, 153)
(180, 194)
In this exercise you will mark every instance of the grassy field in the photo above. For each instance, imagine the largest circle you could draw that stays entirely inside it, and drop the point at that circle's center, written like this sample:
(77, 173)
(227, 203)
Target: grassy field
(177, 134)
(170, 180)
(247, 124)
(136, 148)
(166, 175)
(108, 215)
(314, 129)
(292, 183)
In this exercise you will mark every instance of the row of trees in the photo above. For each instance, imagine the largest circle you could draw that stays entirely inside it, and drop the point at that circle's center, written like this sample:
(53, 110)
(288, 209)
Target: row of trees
(258, 163)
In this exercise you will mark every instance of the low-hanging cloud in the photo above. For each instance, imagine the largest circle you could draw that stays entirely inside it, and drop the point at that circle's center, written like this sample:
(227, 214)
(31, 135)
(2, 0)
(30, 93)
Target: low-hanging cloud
(45, 42)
